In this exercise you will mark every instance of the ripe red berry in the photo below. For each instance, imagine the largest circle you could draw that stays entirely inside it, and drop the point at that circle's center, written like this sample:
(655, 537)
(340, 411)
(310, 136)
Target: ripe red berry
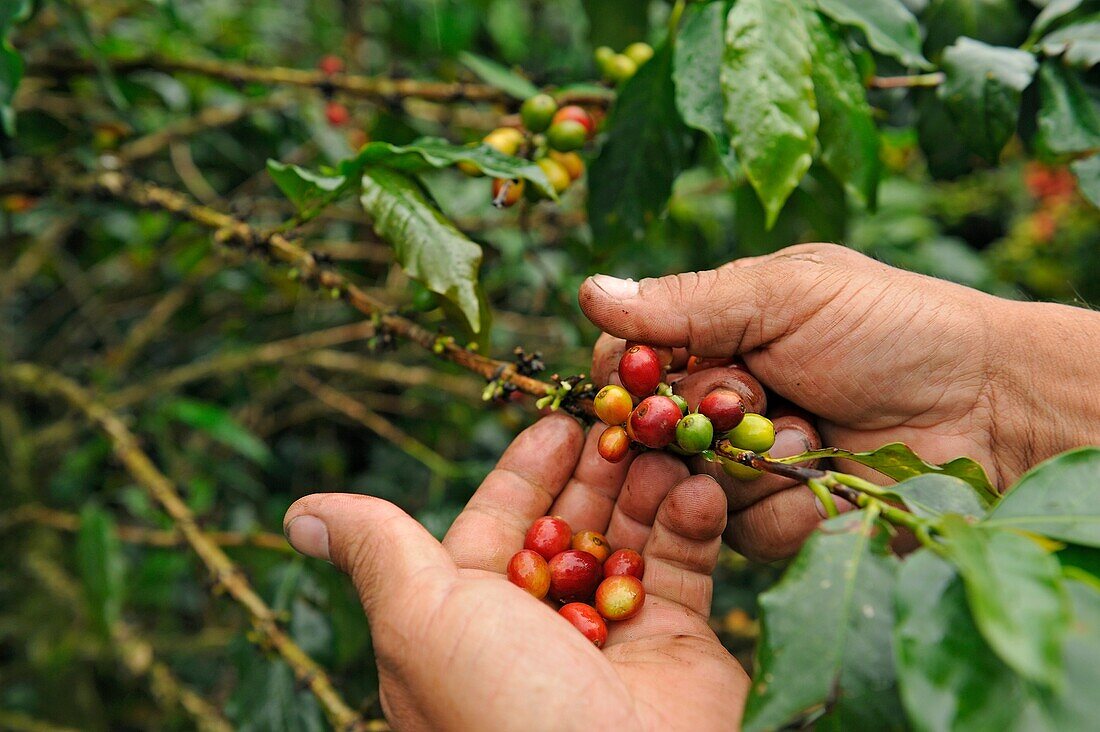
(548, 535)
(574, 576)
(577, 114)
(620, 597)
(640, 370)
(336, 114)
(528, 570)
(613, 404)
(585, 619)
(507, 192)
(724, 408)
(653, 422)
(624, 562)
(614, 444)
(330, 64)
(592, 542)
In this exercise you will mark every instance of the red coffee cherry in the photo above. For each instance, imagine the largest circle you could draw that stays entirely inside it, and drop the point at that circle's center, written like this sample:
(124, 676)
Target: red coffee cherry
(336, 114)
(592, 542)
(585, 619)
(330, 64)
(624, 562)
(574, 576)
(549, 535)
(724, 408)
(640, 370)
(653, 422)
(620, 597)
(614, 444)
(613, 404)
(507, 192)
(577, 114)
(528, 570)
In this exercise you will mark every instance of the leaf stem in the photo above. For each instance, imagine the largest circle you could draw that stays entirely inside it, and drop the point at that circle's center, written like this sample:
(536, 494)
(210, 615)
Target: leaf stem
(929, 80)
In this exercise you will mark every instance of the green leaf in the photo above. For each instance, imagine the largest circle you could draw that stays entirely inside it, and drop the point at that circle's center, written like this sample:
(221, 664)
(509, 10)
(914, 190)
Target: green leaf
(1059, 498)
(268, 698)
(219, 425)
(1054, 11)
(769, 93)
(847, 133)
(696, 67)
(629, 183)
(1088, 178)
(305, 189)
(899, 462)
(1016, 596)
(11, 73)
(1078, 43)
(1069, 119)
(889, 26)
(996, 22)
(982, 92)
(427, 246)
(931, 496)
(499, 76)
(826, 627)
(102, 566)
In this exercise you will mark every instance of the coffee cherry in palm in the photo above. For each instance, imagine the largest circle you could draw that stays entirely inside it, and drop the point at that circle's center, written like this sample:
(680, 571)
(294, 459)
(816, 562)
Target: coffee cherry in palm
(528, 570)
(613, 404)
(640, 370)
(620, 597)
(585, 619)
(614, 444)
(755, 433)
(653, 422)
(592, 542)
(724, 408)
(549, 536)
(622, 562)
(566, 135)
(574, 576)
(694, 433)
(537, 112)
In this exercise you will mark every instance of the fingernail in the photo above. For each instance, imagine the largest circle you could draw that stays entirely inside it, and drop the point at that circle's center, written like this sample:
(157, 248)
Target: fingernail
(308, 535)
(789, 442)
(842, 506)
(616, 288)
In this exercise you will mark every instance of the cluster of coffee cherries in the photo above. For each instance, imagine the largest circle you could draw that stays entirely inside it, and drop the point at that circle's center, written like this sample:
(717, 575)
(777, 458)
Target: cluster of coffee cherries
(336, 113)
(592, 583)
(550, 135)
(662, 420)
(619, 67)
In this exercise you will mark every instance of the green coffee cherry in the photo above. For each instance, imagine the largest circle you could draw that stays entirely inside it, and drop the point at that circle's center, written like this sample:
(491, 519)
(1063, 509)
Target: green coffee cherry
(620, 68)
(424, 300)
(602, 55)
(694, 433)
(566, 135)
(537, 111)
(639, 53)
(755, 433)
(736, 470)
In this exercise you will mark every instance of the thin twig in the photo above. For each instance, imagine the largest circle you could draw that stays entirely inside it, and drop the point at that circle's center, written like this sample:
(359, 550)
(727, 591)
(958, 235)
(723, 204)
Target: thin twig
(907, 82)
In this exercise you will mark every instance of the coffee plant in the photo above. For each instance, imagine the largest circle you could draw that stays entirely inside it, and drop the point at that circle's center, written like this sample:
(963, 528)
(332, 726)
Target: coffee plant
(255, 250)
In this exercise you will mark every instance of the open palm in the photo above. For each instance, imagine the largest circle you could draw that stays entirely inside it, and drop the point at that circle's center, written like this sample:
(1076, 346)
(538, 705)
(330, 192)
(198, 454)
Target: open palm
(459, 647)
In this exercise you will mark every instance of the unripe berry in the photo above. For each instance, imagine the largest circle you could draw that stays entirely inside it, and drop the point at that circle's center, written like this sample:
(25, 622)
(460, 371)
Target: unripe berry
(743, 473)
(639, 52)
(506, 140)
(330, 64)
(694, 433)
(654, 421)
(574, 576)
(613, 404)
(755, 432)
(507, 192)
(614, 444)
(571, 161)
(336, 113)
(555, 173)
(576, 114)
(424, 300)
(549, 536)
(528, 570)
(566, 135)
(640, 370)
(592, 542)
(585, 619)
(624, 562)
(724, 408)
(602, 55)
(620, 597)
(620, 68)
(537, 111)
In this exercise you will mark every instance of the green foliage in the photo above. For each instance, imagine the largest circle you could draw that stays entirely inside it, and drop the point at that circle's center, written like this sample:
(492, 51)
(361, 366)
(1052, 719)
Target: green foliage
(102, 566)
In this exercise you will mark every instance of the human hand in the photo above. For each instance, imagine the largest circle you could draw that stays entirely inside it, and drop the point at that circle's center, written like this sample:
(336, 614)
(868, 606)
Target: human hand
(879, 355)
(460, 647)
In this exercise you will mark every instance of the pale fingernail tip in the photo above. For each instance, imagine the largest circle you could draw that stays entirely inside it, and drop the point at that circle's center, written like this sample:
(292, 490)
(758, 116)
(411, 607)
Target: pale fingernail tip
(615, 287)
(308, 535)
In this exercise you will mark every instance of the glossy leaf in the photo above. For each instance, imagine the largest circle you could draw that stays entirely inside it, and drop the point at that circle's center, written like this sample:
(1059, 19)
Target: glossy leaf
(1048, 17)
(102, 567)
(769, 97)
(826, 627)
(268, 697)
(629, 183)
(1069, 118)
(1059, 498)
(847, 134)
(889, 26)
(982, 91)
(1078, 43)
(219, 425)
(304, 188)
(996, 22)
(1087, 171)
(426, 244)
(501, 77)
(931, 496)
(1014, 588)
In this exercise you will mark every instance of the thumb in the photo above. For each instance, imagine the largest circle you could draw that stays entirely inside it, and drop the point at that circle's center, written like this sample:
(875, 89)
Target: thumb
(374, 541)
(721, 312)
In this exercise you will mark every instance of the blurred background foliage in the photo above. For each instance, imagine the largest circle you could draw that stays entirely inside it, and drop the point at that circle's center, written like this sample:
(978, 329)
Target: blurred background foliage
(118, 297)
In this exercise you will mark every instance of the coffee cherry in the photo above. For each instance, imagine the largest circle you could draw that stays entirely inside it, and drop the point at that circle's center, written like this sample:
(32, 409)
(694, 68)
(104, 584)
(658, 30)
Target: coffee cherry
(507, 192)
(549, 536)
(602, 55)
(620, 597)
(620, 68)
(694, 433)
(743, 473)
(624, 562)
(571, 161)
(724, 408)
(336, 113)
(680, 402)
(653, 422)
(585, 619)
(506, 140)
(640, 370)
(424, 300)
(592, 542)
(529, 571)
(614, 444)
(755, 432)
(537, 111)
(574, 576)
(330, 64)
(576, 114)
(566, 135)
(555, 173)
(639, 53)
(613, 404)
